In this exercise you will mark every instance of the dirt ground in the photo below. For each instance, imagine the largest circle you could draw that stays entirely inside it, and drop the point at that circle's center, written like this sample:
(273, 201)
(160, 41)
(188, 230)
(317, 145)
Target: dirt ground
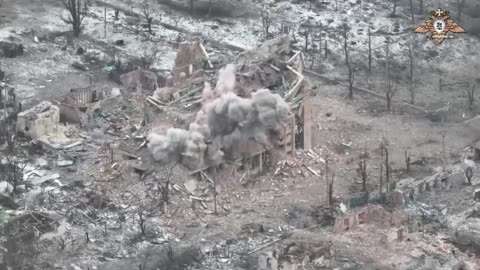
(103, 201)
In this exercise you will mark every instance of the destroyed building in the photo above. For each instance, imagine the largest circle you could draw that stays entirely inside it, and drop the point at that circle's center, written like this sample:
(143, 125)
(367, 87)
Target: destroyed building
(39, 121)
(257, 104)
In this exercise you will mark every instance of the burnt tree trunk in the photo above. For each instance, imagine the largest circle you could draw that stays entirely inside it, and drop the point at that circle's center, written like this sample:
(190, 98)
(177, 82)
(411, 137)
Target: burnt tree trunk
(411, 11)
(387, 168)
(351, 80)
(394, 11)
(471, 97)
(149, 23)
(74, 8)
(407, 161)
(460, 4)
(369, 50)
(345, 43)
(411, 87)
(326, 49)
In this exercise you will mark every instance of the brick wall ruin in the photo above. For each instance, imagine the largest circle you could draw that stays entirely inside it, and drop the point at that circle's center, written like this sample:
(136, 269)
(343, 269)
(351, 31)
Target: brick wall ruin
(369, 214)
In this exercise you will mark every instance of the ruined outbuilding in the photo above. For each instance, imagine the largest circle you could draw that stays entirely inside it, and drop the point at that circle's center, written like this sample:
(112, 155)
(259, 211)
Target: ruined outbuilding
(41, 120)
(191, 57)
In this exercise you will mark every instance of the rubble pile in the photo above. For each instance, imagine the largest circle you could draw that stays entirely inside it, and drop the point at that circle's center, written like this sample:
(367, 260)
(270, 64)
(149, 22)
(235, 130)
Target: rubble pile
(241, 115)
(265, 67)
(225, 123)
(269, 66)
(302, 164)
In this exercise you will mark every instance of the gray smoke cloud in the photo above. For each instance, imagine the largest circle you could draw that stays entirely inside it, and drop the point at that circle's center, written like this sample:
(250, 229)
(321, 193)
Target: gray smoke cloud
(225, 123)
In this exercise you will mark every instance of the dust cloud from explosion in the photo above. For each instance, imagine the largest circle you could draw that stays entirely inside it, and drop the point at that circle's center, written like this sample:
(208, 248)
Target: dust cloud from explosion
(224, 124)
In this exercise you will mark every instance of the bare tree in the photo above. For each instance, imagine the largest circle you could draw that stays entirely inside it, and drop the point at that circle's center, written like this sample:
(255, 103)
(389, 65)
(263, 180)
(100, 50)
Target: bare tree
(351, 73)
(306, 34)
(369, 49)
(411, 11)
(14, 172)
(130, 3)
(407, 160)
(444, 152)
(105, 20)
(320, 40)
(266, 21)
(86, 6)
(460, 5)
(351, 80)
(391, 87)
(192, 7)
(411, 57)
(345, 43)
(362, 168)
(147, 13)
(313, 55)
(471, 96)
(394, 9)
(167, 175)
(142, 220)
(150, 56)
(326, 48)
(421, 6)
(329, 179)
(381, 169)
(387, 84)
(215, 212)
(76, 15)
(386, 155)
(469, 174)
(330, 189)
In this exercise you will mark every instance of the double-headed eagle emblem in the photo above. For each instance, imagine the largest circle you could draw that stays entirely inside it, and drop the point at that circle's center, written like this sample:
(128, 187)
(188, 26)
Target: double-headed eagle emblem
(439, 25)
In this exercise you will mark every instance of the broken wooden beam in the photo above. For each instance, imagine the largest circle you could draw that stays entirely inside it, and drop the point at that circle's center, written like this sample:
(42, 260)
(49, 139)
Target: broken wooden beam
(293, 92)
(154, 104)
(185, 96)
(311, 170)
(274, 67)
(207, 177)
(206, 55)
(293, 57)
(156, 100)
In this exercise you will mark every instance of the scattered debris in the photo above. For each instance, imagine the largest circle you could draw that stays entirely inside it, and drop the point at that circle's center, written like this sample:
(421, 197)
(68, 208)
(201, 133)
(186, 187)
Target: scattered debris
(79, 66)
(11, 50)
